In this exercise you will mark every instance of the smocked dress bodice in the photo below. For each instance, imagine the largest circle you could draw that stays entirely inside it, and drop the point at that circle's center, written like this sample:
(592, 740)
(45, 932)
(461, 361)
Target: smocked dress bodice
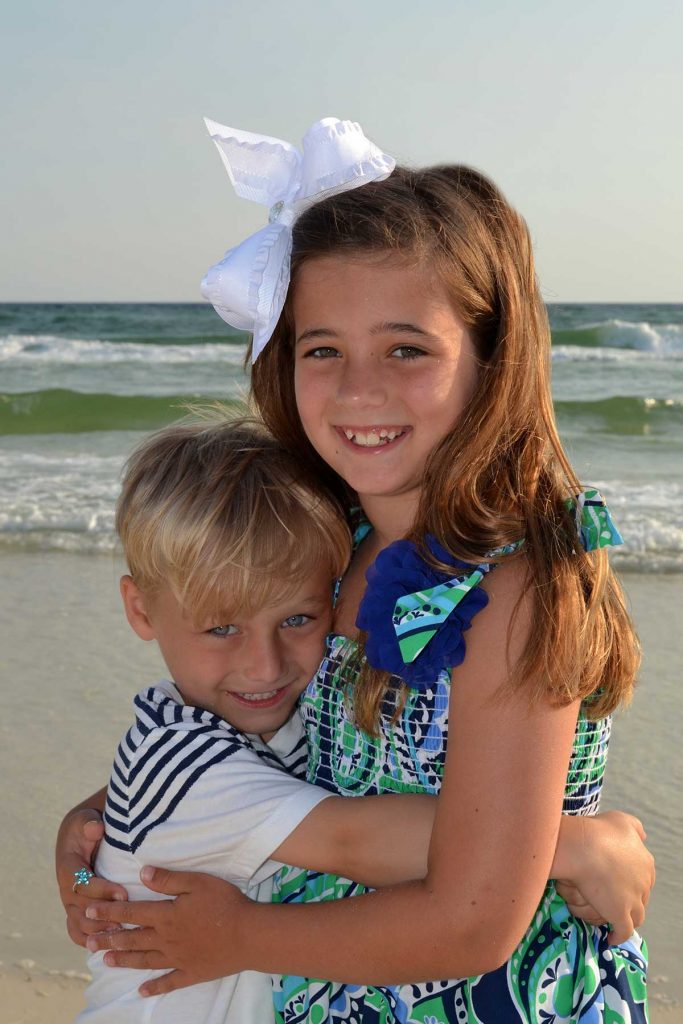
(563, 970)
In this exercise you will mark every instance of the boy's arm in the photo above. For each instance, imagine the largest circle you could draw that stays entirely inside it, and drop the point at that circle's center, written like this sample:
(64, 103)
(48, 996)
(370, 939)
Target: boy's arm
(374, 840)
(77, 840)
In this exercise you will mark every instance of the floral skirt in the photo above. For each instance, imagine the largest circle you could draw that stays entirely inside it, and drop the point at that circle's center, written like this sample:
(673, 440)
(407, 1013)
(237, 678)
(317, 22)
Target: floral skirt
(563, 971)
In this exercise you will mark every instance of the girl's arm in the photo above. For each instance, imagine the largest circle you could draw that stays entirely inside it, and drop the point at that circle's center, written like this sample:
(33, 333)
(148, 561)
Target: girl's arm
(490, 854)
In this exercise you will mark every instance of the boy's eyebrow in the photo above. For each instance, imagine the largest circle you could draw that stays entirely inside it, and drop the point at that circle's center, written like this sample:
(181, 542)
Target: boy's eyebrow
(385, 327)
(314, 599)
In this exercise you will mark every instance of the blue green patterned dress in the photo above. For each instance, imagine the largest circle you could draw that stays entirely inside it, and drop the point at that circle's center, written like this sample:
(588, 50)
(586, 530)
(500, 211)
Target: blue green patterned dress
(562, 971)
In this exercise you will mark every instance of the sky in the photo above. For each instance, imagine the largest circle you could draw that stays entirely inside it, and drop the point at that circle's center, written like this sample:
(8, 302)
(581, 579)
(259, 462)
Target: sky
(111, 190)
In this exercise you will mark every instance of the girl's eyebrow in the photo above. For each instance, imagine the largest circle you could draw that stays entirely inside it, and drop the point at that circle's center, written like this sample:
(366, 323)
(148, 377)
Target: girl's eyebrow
(399, 327)
(316, 332)
(385, 327)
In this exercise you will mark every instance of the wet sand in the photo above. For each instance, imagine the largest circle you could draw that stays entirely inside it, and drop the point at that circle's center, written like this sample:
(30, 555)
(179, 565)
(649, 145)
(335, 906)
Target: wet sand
(70, 666)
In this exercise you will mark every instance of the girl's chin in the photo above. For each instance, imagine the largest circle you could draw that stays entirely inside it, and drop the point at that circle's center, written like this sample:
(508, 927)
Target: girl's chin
(375, 491)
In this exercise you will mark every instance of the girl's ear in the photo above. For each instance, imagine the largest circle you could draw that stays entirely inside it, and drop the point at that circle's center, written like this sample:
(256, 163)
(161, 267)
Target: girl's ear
(135, 607)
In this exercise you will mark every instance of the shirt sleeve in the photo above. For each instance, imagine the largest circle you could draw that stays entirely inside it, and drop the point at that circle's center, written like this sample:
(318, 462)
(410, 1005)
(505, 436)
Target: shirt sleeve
(222, 809)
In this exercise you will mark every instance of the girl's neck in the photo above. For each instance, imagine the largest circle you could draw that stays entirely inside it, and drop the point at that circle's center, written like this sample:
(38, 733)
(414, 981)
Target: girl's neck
(392, 517)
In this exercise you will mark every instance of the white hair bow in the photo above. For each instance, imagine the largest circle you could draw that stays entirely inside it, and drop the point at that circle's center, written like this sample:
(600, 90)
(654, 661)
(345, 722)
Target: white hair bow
(249, 286)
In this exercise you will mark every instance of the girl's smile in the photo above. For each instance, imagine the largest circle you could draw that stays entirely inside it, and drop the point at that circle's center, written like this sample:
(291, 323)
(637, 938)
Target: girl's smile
(373, 438)
(384, 368)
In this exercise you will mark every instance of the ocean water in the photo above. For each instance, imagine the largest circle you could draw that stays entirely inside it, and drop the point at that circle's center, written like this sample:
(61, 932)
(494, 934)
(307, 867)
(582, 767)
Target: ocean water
(79, 383)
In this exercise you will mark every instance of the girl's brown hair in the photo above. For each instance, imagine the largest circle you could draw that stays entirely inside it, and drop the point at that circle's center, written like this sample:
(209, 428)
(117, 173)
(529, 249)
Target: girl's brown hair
(501, 473)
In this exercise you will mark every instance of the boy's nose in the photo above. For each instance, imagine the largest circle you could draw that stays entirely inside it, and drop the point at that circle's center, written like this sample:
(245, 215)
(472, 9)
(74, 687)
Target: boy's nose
(265, 664)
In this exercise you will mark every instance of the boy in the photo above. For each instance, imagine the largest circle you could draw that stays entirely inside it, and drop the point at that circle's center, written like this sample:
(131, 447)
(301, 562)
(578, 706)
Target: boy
(232, 557)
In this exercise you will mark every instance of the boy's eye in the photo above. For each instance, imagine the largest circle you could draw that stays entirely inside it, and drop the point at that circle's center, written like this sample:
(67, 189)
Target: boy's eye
(222, 630)
(296, 620)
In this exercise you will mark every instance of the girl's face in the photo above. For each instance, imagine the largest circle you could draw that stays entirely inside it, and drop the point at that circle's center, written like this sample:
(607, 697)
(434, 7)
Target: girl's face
(384, 366)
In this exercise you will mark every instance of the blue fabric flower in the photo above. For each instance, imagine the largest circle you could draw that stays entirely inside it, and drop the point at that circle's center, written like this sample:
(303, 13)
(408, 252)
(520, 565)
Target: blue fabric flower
(414, 616)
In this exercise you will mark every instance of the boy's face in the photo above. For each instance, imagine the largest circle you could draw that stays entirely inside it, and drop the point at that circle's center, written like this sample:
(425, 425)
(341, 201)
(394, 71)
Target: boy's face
(249, 671)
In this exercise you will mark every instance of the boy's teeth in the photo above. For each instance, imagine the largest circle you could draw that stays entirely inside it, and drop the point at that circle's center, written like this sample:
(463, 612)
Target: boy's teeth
(372, 438)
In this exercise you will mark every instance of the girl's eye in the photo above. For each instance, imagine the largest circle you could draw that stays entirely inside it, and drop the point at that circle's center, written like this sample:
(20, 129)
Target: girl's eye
(296, 621)
(222, 631)
(407, 352)
(321, 352)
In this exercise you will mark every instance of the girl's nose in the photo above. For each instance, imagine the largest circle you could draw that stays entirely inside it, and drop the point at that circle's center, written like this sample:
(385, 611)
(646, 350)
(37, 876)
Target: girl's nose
(361, 384)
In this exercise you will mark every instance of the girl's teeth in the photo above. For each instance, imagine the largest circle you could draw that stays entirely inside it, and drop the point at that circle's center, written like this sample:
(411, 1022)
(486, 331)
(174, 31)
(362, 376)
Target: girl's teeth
(372, 438)
(258, 696)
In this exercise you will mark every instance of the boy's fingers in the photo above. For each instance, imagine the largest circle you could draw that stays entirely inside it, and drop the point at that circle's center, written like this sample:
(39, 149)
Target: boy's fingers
(621, 931)
(587, 914)
(76, 934)
(99, 889)
(638, 825)
(93, 828)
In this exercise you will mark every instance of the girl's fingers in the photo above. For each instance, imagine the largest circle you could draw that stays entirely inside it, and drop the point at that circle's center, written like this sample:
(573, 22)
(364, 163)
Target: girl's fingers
(171, 883)
(141, 912)
(127, 939)
(166, 983)
(142, 960)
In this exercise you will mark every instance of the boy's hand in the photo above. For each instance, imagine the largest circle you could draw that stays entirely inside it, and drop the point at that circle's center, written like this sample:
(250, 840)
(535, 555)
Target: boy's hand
(79, 836)
(605, 871)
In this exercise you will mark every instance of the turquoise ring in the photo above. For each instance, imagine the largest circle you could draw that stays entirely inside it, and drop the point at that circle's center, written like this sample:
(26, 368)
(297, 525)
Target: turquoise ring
(82, 877)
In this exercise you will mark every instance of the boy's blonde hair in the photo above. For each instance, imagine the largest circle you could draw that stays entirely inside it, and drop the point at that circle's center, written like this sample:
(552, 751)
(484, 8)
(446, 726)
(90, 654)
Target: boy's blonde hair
(218, 512)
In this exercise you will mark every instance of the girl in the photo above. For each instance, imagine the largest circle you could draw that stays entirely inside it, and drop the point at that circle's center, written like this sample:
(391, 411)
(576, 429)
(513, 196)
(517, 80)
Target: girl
(410, 370)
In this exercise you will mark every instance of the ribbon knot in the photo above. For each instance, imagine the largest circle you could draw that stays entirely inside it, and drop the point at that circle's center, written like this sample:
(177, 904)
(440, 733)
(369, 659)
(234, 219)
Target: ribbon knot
(248, 287)
(277, 212)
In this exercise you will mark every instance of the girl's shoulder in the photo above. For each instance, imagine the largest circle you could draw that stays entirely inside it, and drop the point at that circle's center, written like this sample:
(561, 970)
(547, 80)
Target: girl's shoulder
(419, 602)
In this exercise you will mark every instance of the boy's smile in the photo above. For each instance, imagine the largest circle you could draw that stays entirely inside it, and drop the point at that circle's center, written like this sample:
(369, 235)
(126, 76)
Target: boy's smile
(249, 671)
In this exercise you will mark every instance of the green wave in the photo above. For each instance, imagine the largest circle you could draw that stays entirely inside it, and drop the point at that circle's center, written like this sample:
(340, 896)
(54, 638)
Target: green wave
(623, 414)
(584, 337)
(60, 411)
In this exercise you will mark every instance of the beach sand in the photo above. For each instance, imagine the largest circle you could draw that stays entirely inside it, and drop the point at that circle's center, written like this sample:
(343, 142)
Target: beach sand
(30, 997)
(70, 666)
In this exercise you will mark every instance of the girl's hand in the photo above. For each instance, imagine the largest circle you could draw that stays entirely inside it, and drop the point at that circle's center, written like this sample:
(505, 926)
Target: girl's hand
(197, 935)
(606, 872)
(77, 841)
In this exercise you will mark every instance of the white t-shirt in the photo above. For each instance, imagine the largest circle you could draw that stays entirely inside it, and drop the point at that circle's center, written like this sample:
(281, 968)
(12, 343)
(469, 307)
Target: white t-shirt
(190, 792)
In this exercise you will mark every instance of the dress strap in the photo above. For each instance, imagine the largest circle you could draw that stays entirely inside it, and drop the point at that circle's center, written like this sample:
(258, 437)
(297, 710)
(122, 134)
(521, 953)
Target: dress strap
(594, 523)
(415, 616)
